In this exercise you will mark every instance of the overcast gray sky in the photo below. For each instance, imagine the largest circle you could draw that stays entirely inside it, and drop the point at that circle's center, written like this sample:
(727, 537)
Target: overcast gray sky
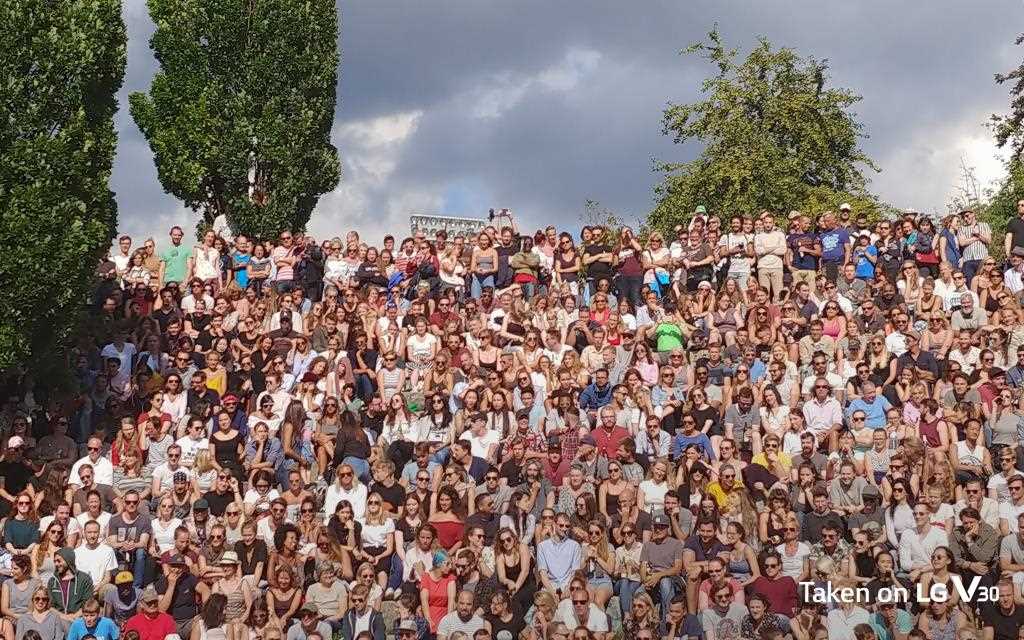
(461, 105)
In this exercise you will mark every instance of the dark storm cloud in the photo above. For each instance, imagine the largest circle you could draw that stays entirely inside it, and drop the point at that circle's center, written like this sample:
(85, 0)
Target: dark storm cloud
(539, 106)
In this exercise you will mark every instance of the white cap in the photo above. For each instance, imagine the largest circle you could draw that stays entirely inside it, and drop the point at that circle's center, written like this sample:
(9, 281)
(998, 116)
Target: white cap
(845, 207)
(15, 441)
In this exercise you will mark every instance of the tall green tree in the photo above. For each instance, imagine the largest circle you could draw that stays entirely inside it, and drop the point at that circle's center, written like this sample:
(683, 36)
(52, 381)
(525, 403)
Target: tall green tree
(60, 68)
(239, 116)
(774, 135)
(1009, 131)
(1009, 128)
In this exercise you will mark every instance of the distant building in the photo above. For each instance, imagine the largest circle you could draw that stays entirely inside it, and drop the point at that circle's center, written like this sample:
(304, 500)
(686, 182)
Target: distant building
(430, 224)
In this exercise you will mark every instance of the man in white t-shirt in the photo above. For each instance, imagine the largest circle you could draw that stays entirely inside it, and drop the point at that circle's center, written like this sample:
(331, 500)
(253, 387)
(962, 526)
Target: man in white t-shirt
(579, 611)
(125, 353)
(123, 256)
(62, 515)
(103, 469)
(462, 619)
(192, 443)
(96, 559)
(484, 441)
(739, 248)
(164, 473)
(1010, 510)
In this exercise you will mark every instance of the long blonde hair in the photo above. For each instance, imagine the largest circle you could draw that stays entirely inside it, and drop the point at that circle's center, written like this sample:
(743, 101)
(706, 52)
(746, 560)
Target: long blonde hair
(380, 518)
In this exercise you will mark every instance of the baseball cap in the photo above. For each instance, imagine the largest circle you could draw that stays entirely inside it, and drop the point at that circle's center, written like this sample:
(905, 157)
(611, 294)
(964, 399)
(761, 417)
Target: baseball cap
(15, 441)
(149, 594)
(660, 520)
(913, 334)
(201, 505)
(123, 577)
(870, 491)
(588, 440)
(845, 207)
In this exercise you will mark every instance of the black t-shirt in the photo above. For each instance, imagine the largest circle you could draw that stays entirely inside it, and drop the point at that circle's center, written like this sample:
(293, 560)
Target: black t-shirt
(374, 423)
(393, 495)
(489, 523)
(259, 554)
(15, 474)
(218, 501)
(514, 626)
(512, 471)
(1015, 227)
(598, 269)
(183, 601)
(1004, 626)
(643, 523)
(814, 522)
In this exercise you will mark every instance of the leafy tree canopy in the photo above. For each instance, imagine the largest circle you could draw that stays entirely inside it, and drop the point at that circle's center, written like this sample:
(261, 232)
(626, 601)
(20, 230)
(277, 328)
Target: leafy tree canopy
(775, 137)
(60, 70)
(239, 117)
(1009, 128)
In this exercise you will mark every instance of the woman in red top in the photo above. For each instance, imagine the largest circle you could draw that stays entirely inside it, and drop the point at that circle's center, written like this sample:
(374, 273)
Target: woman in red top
(437, 590)
(129, 436)
(445, 518)
(156, 401)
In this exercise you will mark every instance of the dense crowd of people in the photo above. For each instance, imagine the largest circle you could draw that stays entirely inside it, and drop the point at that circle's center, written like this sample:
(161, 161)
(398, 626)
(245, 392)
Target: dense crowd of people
(539, 437)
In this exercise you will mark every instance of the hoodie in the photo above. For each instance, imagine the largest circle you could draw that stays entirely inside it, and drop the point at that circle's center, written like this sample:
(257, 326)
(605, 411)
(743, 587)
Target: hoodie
(79, 589)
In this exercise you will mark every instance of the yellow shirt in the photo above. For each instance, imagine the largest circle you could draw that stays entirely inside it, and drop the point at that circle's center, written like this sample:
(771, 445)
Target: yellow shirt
(784, 458)
(716, 491)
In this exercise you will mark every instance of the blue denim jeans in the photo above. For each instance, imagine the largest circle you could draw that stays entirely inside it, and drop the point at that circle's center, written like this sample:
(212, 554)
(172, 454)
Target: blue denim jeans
(625, 589)
(667, 589)
(630, 287)
(137, 559)
(395, 576)
(364, 387)
(477, 284)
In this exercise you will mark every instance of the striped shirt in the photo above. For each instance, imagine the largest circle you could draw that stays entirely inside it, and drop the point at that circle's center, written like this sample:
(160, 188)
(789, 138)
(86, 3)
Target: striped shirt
(975, 250)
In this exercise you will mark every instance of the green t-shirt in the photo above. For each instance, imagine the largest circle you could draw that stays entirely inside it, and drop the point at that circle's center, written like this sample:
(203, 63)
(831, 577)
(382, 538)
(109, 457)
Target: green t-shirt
(669, 336)
(176, 259)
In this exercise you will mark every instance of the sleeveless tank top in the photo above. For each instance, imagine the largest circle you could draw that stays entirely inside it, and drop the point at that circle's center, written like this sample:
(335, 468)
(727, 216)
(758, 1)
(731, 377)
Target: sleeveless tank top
(831, 327)
(390, 379)
(724, 321)
(485, 262)
(930, 431)
(566, 264)
(235, 606)
(969, 456)
(942, 631)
